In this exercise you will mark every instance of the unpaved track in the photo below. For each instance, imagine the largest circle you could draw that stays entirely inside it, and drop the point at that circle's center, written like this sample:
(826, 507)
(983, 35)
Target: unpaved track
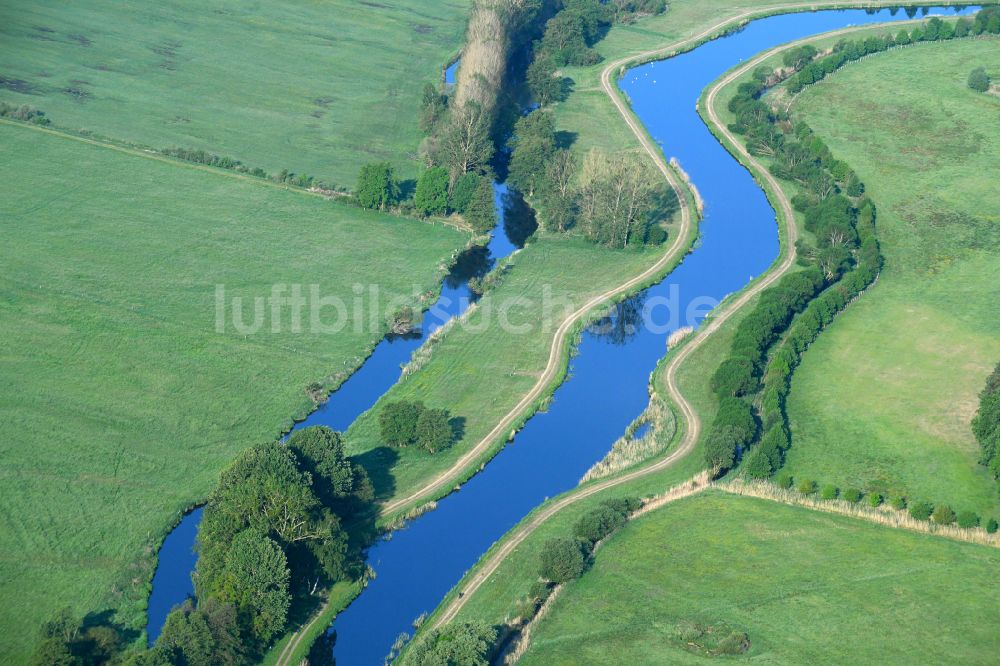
(693, 430)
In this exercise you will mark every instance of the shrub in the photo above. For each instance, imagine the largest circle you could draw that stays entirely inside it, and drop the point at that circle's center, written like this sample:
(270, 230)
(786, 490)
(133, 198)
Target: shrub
(897, 502)
(943, 515)
(467, 643)
(398, 422)
(757, 465)
(433, 430)
(561, 560)
(784, 480)
(968, 519)
(874, 500)
(921, 510)
(598, 523)
(734, 377)
(806, 486)
(431, 196)
(829, 492)
(465, 188)
(852, 495)
(377, 186)
(992, 525)
(623, 505)
(979, 80)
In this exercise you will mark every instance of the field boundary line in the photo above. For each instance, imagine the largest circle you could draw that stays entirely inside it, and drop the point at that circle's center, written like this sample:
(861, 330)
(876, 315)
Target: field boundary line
(157, 156)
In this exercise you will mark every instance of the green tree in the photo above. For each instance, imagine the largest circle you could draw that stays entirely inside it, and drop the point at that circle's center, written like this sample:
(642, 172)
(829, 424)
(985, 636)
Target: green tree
(545, 86)
(757, 464)
(431, 196)
(829, 492)
(721, 447)
(377, 186)
(256, 582)
(852, 495)
(533, 144)
(320, 452)
(560, 196)
(433, 430)
(398, 422)
(562, 560)
(265, 492)
(465, 188)
(433, 106)
(784, 480)
(943, 515)
(481, 213)
(598, 523)
(968, 519)
(807, 486)
(735, 376)
(992, 525)
(979, 80)
(455, 644)
(466, 145)
(920, 510)
(187, 638)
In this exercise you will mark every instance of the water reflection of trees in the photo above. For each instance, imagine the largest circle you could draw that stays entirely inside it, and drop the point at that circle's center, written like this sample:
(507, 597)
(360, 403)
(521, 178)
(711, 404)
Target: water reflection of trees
(518, 218)
(622, 323)
(473, 262)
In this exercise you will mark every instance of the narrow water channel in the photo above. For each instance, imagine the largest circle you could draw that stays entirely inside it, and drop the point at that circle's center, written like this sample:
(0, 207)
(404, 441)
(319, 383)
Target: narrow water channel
(606, 388)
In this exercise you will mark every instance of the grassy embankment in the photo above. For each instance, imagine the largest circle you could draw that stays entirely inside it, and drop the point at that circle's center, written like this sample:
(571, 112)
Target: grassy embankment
(308, 87)
(884, 398)
(120, 401)
(796, 581)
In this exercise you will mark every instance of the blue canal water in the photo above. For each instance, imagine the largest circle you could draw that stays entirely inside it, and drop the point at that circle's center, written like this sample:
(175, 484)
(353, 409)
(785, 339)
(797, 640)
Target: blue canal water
(449, 74)
(606, 388)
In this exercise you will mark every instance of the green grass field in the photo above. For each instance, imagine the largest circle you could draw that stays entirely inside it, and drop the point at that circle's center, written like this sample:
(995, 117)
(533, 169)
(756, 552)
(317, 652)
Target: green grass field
(120, 402)
(884, 398)
(806, 587)
(316, 88)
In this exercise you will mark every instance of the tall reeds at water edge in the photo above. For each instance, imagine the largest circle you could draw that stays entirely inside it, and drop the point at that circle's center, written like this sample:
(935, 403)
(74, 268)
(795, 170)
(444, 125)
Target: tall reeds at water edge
(494, 27)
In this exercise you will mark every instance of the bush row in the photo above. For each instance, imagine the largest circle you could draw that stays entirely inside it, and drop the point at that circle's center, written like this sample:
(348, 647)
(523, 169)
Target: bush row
(25, 113)
(838, 265)
(987, 21)
(986, 423)
(941, 514)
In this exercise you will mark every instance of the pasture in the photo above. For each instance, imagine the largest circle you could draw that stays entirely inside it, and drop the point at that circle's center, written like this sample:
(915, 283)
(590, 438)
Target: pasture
(884, 398)
(671, 584)
(315, 88)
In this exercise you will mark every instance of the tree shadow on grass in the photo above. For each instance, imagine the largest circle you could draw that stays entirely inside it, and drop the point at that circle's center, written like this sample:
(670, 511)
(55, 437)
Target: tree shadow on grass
(378, 462)
(457, 424)
(407, 188)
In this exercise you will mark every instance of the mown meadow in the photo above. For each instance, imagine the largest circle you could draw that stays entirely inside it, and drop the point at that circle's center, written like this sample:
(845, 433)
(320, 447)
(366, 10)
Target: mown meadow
(884, 398)
(120, 401)
(675, 585)
(313, 88)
